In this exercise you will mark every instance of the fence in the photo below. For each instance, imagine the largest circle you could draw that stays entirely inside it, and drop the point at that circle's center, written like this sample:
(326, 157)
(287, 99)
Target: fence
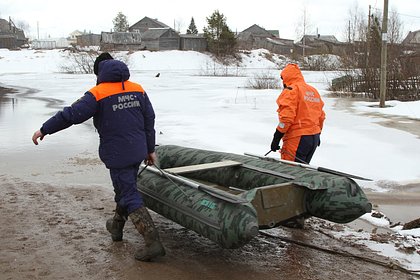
(397, 89)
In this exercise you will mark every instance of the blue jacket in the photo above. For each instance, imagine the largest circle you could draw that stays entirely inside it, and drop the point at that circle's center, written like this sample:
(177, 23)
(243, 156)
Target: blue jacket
(122, 114)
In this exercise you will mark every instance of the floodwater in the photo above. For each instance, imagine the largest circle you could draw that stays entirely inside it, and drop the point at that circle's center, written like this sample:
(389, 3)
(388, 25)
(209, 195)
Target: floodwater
(56, 196)
(22, 112)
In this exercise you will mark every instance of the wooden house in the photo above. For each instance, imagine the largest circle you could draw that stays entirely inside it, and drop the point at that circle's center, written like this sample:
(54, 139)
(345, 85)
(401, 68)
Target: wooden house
(86, 40)
(121, 41)
(256, 37)
(193, 42)
(320, 44)
(11, 37)
(145, 24)
(412, 40)
(160, 39)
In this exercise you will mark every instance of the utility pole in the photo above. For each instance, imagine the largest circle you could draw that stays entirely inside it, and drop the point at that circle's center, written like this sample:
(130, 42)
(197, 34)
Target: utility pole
(367, 41)
(349, 32)
(304, 31)
(382, 90)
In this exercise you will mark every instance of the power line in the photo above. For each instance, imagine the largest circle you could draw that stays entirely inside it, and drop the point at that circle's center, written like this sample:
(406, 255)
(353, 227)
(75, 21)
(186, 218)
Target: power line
(405, 15)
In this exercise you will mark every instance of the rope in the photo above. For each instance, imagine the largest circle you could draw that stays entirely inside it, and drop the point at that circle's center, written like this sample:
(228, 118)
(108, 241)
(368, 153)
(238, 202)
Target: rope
(391, 264)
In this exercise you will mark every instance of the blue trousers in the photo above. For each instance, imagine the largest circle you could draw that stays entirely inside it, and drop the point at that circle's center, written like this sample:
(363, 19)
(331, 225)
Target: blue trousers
(307, 147)
(124, 181)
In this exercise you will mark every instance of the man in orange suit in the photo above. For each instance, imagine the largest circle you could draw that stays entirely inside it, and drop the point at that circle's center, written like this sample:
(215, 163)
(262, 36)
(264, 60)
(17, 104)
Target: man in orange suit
(301, 117)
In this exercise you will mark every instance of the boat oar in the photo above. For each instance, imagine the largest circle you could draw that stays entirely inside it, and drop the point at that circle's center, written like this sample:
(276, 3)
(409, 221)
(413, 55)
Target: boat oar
(207, 189)
(318, 168)
(141, 171)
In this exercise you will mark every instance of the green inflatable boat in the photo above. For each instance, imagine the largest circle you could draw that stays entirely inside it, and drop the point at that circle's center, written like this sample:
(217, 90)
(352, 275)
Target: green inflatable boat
(228, 198)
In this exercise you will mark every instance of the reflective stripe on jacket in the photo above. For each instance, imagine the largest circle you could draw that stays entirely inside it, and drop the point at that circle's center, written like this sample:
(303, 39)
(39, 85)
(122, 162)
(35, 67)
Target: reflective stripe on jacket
(122, 115)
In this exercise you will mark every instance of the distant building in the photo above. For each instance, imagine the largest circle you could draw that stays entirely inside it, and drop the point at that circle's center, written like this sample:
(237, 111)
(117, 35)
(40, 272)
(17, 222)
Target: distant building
(43, 44)
(73, 36)
(193, 42)
(145, 24)
(121, 41)
(256, 37)
(86, 40)
(160, 39)
(151, 34)
(320, 44)
(11, 37)
(50, 43)
(412, 40)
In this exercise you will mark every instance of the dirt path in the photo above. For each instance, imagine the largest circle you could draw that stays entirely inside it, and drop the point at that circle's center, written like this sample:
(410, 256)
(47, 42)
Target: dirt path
(52, 232)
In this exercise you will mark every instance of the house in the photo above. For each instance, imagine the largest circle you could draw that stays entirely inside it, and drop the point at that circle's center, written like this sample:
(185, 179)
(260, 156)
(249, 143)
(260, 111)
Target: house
(320, 44)
(145, 24)
(193, 42)
(412, 40)
(86, 40)
(160, 39)
(151, 34)
(256, 37)
(73, 36)
(50, 43)
(121, 41)
(11, 37)
(146, 34)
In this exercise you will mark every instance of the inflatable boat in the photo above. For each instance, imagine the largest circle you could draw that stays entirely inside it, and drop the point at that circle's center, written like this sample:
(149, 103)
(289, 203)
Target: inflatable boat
(228, 198)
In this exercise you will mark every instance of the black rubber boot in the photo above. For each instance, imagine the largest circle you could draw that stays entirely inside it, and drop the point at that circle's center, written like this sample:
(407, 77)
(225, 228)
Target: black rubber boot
(116, 224)
(145, 226)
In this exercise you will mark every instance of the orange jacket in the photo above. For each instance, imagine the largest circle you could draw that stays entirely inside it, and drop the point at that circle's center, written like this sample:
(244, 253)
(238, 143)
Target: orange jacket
(300, 105)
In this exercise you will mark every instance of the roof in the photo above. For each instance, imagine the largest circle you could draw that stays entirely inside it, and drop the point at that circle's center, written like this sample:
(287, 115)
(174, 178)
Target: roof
(155, 33)
(281, 42)
(193, 36)
(4, 25)
(161, 24)
(8, 29)
(274, 32)
(324, 38)
(256, 30)
(412, 38)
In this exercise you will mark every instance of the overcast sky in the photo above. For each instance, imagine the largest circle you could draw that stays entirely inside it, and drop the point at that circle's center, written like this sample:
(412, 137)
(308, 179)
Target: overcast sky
(56, 18)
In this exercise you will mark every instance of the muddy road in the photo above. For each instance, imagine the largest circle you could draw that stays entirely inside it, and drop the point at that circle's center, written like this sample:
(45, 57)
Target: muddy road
(56, 232)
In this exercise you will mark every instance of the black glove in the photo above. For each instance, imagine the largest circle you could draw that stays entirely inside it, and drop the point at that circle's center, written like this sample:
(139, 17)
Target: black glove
(275, 144)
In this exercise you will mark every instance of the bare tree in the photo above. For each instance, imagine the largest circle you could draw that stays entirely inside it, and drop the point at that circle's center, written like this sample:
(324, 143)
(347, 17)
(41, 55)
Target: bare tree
(304, 27)
(402, 70)
(79, 61)
(355, 29)
(395, 28)
(178, 24)
(23, 25)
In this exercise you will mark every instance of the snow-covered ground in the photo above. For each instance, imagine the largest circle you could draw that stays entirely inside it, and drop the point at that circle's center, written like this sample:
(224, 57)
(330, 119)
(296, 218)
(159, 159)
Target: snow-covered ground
(196, 108)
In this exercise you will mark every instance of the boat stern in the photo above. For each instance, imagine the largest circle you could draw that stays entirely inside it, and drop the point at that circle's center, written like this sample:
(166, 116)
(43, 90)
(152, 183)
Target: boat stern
(343, 201)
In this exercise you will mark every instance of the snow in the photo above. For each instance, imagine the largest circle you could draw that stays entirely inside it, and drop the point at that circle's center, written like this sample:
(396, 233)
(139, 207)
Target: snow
(393, 107)
(197, 107)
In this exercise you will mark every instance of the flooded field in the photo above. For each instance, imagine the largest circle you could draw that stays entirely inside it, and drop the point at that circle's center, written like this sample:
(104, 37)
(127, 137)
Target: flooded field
(56, 197)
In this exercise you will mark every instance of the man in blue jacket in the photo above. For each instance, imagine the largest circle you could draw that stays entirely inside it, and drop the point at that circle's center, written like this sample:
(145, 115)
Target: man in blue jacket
(125, 119)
